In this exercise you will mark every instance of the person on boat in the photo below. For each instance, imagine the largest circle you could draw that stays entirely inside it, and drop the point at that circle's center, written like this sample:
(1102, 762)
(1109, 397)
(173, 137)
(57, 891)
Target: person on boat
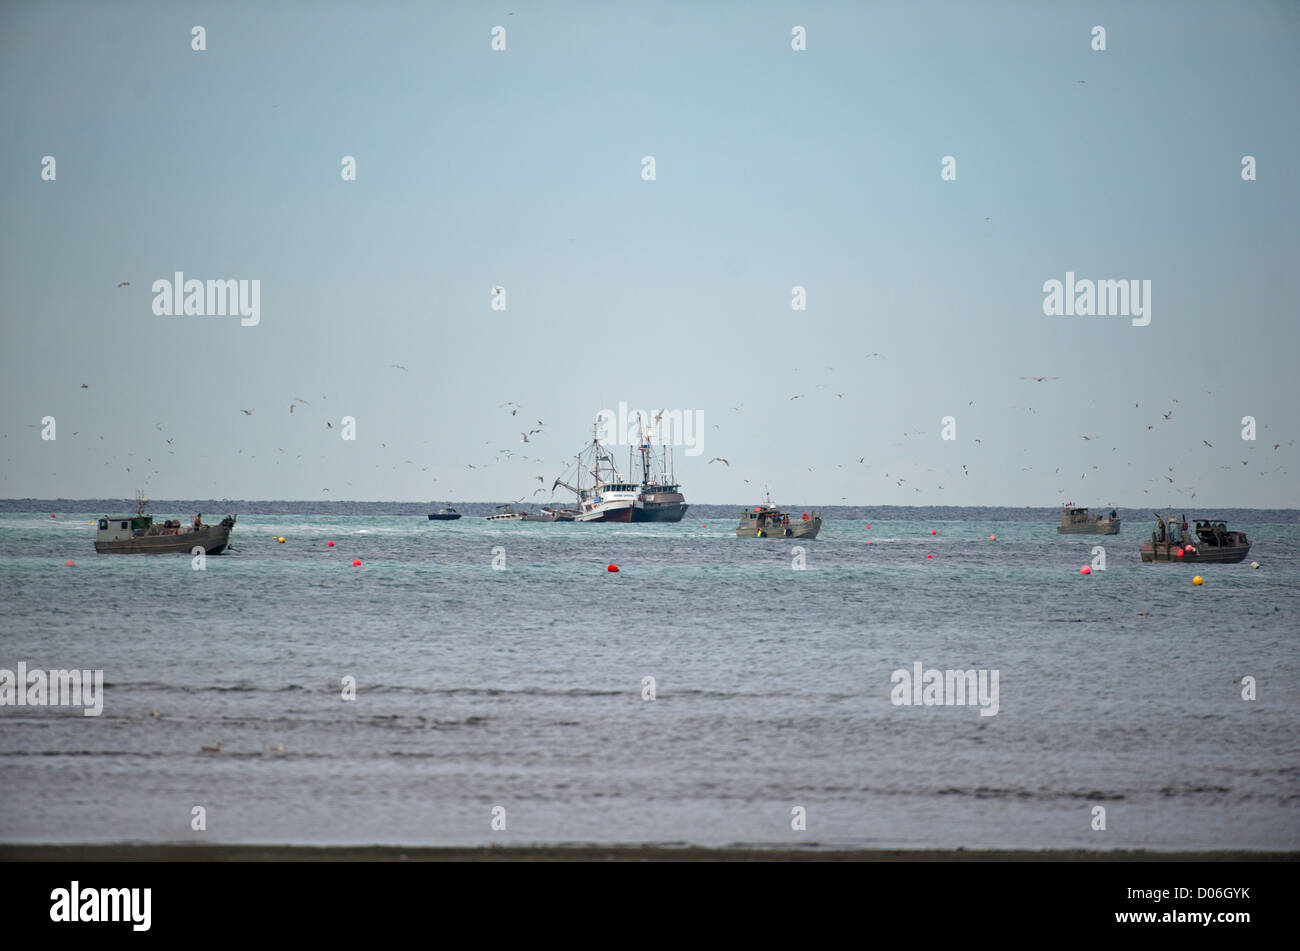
(198, 521)
(1160, 531)
(1113, 513)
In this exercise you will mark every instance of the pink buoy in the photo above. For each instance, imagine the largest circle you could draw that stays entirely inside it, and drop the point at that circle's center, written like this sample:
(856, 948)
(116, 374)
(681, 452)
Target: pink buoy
(51, 515)
(331, 544)
(868, 543)
(1085, 570)
(70, 563)
(934, 531)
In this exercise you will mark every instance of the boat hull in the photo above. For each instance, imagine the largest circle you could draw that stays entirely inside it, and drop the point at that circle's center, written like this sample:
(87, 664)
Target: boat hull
(1200, 554)
(443, 518)
(213, 539)
(799, 529)
(609, 513)
(660, 512)
(1109, 527)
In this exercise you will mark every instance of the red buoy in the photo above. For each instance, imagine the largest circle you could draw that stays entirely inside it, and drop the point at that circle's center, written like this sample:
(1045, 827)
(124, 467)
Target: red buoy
(331, 544)
(868, 528)
(356, 562)
(51, 515)
(934, 531)
(612, 568)
(1085, 570)
(1180, 553)
(993, 538)
(70, 563)
(929, 556)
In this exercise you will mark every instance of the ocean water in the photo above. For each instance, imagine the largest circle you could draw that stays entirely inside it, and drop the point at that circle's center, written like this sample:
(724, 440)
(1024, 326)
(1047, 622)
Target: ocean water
(521, 687)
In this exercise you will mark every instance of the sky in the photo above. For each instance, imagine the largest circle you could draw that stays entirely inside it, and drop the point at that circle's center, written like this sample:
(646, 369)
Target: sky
(774, 168)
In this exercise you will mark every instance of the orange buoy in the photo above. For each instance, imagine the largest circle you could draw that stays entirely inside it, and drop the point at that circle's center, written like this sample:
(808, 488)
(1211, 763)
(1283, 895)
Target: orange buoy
(993, 538)
(1085, 570)
(611, 568)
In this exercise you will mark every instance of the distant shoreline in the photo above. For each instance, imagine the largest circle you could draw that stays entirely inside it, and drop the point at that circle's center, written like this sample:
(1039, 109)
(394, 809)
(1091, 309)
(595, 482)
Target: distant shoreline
(698, 510)
(595, 853)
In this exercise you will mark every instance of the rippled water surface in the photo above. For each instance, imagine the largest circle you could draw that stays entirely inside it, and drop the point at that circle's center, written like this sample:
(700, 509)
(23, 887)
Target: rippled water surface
(522, 687)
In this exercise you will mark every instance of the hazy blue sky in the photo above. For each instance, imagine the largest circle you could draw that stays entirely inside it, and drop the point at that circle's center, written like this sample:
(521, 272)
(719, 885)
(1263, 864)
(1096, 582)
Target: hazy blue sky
(775, 168)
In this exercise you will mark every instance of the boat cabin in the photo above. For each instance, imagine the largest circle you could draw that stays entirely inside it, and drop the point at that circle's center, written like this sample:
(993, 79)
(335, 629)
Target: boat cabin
(606, 488)
(123, 527)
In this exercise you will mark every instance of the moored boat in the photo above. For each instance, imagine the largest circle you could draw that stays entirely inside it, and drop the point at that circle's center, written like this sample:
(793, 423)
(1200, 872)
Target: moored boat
(1078, 521)
(768, 521)
(1209, 541)
(139, 534)
(660, 497)
(608, 498)
(444, 515)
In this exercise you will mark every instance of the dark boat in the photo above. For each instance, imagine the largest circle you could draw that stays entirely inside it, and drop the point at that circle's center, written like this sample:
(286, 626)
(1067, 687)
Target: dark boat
(138, 534)
(447, 514)
(660, 498)
(767, 521)
(1210, 541)
(1076, 521)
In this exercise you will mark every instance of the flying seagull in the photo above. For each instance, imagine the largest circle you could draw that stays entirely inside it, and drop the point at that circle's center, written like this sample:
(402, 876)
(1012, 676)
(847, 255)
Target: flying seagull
(1040, 379)
(247, 412)
(124, 284)
(719, 459)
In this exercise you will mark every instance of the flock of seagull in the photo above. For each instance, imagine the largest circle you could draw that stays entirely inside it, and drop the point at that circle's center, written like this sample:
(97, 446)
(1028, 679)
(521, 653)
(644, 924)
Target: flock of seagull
(526, 435)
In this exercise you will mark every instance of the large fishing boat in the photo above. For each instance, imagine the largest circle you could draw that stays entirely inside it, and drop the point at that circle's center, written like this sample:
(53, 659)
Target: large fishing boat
(1210, 541)
(138, 534)
(660, 497)
(768, 521)
(603, 494)
(1078, 521)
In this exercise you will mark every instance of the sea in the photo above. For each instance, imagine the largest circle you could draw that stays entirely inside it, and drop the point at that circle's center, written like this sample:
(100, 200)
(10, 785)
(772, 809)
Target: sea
(479, 683)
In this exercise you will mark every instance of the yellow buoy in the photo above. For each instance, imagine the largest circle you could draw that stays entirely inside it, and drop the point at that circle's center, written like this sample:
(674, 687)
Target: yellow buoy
(280, 539)
(1198, 580)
